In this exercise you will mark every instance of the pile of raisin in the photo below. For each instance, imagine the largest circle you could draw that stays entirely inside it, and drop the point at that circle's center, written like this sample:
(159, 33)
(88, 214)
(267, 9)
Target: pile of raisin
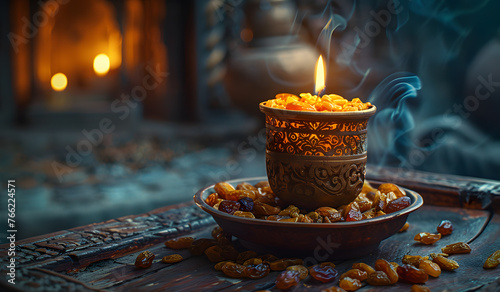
(258, 201)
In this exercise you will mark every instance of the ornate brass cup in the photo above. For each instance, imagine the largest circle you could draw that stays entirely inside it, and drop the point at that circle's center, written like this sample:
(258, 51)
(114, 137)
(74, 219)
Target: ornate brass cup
(316, 159)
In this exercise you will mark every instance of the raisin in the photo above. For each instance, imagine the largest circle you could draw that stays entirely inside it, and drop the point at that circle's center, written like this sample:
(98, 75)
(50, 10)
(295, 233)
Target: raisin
(459, 247)
(243, 256)
(332, 214)
(364, 205)
(379, 201)
(287, 279)
(378, 278)
(445, 227)
(263, 209)
(492, 261)
(234, 270)
(199, 246)
(411, 274)
(388, 269)
(223, 189)
(229, 207)
(179, 243)
(405, 227)
(355, 274)
(352, 212)
(290, 211)
(212, 199)
(218, 266)
(427, 238)
(256, 271)
(333, 289)
(252, 262)
(303, 271)
(398, 204)
(268, 258)
(388, 188)
(282, 264)
(324, 274)
(430, 268)
(246, 204)
(300, 106)
(419, 288)
(244, 214)
(219, 253)
(350, 284)
(413, 260)
(245, 186)
(444, 263)
(172, 259)
(364, 267)
(144, 260)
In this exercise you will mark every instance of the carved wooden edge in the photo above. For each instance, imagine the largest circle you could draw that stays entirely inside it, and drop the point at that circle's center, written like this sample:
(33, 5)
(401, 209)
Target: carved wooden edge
(70, 250)
(443, 189)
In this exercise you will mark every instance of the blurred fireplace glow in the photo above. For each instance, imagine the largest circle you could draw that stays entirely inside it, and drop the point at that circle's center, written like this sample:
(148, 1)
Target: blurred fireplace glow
(59, 82)
(101, 64)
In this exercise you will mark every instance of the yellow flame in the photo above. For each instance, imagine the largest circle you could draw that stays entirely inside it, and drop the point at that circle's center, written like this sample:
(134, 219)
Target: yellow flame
(101, 64)
(319, 76)
(59, 82)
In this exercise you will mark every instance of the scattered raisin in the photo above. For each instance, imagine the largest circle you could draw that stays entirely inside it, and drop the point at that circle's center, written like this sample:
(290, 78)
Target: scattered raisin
(388, 269)
(179, 243)
(219, 253)
(256, 271)
(355, 274)
(427, 238)
(445, 227)
(282, 264)
(324, 274)
(144, 260)
(413, 260)
(234, 270)
(412, 274)
(350, 284)
(287, 279)
(303, 271)
(455, 248)
(444, 263)
(492, 261)
(430, 268)
(252, 262)
(199, 246)
(378, 278)
(364, 267)
(218, 266)
(172, 259)
(246, 255)
(419, 288)
(405, 227)
(333, 289)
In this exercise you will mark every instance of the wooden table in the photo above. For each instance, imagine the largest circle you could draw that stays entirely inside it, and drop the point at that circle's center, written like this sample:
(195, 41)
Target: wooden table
(101, 256)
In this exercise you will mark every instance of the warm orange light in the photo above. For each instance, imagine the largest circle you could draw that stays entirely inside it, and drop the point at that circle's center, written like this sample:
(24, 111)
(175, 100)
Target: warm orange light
(319, 76)
(101, 64)
(59, 82)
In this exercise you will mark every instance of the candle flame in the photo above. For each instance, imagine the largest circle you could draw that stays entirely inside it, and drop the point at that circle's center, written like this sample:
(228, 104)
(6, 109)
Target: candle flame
(101, 64)
(319, 76)
(59, 82)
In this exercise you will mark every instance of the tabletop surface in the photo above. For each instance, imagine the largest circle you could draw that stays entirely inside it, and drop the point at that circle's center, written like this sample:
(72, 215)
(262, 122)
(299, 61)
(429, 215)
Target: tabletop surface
(101, 256)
